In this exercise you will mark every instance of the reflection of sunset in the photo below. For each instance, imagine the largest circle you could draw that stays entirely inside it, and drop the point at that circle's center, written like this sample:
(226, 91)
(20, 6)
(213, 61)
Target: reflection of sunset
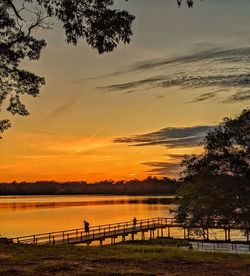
(51, 204)
(33, 219)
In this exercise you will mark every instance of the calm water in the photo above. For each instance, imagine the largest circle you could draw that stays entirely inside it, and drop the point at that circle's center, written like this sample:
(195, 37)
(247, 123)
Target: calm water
(24, 215)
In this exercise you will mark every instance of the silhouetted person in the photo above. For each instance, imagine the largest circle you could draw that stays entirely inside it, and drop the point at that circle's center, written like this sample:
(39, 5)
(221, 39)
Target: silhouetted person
(134, 221)
(86, 227)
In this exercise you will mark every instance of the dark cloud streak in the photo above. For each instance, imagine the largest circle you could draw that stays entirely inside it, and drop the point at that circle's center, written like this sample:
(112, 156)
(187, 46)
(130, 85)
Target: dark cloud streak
(62, 109)
(239, 97)
(170, 137)
(163, 168)
(214, 68)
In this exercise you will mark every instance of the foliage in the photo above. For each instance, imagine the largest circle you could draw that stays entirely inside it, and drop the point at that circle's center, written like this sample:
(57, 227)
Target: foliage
(189, 3)
(132, 187)
(226, 150)
(216, 189)
(102, 26)
(208, 201)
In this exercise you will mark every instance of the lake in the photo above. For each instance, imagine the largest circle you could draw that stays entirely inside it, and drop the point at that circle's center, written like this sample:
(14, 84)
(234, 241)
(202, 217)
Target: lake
(25, 215)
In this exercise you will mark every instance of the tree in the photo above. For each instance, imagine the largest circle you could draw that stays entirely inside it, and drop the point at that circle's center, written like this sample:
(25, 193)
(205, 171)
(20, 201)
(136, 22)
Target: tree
(189, 3)
(102, 26)
(216, 184)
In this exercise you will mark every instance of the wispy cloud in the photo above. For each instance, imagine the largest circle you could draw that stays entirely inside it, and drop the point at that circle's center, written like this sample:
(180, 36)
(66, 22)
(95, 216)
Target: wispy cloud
(171, 167)
(239, 97)
(163, 168)
(170, 137)
(62, 108)
(216, 54)
(215, 69)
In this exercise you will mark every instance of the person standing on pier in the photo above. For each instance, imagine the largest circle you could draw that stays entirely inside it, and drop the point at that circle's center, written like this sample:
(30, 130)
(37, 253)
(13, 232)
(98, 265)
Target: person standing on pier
(134, 222)
(86, 227)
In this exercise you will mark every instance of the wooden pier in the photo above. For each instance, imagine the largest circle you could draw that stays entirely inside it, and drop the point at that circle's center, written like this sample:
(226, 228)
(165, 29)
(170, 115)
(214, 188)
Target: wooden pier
(152, 228)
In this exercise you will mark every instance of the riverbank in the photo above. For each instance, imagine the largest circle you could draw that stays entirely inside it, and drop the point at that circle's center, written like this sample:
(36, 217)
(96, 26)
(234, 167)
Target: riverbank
(148, 258)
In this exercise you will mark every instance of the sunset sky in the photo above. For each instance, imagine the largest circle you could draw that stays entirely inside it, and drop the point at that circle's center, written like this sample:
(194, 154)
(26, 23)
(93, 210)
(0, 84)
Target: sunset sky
(136, 111)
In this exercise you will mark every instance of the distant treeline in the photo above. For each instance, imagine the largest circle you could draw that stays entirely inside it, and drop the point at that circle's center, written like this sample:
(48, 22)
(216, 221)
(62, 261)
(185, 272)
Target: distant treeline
(149, 186)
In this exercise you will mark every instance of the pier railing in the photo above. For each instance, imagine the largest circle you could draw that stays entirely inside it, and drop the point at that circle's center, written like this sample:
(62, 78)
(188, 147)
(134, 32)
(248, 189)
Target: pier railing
(123, 229)
(95, 232)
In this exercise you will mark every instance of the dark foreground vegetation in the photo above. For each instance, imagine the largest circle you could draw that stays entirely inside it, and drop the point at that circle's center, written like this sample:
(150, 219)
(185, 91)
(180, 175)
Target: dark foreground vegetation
(150, 185)
(216, 183)
(150, 258)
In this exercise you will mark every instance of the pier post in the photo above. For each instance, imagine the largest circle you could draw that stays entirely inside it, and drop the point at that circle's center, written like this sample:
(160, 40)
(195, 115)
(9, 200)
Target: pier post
(168, 232)
(142, 236)
(229, 235)
(208, 234)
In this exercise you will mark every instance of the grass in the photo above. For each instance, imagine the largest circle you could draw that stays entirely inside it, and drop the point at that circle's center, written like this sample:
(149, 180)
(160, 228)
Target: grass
(157, 257)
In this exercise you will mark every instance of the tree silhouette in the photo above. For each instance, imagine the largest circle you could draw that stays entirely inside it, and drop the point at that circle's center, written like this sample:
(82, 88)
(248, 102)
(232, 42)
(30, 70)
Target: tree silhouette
(97, 21)
(189, 3)
(217, 182)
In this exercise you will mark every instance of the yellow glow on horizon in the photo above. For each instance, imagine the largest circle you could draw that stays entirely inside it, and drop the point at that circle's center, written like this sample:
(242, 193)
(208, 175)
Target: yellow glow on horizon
(66, 158)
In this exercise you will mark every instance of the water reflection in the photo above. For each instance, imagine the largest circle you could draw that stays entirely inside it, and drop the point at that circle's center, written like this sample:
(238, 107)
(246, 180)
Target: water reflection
(26, 215)
(51, 204)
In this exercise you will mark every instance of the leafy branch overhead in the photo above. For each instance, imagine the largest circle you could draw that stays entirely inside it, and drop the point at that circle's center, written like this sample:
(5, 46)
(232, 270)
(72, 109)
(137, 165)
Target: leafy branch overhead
(189, 3)
(97, 21)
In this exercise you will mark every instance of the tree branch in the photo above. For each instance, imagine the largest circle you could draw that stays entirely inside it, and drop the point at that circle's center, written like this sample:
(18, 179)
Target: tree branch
(15, 10)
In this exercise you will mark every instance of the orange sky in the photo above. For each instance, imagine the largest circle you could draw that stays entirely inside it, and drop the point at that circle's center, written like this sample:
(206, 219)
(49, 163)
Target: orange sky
(70, 130)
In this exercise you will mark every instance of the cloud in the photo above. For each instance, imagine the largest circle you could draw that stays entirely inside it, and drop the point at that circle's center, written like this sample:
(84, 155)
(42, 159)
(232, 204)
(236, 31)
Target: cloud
(217, 55)
(239, 97)
(133, 85)
(170, 168)
(175, 156)
(216, 69)
(62, 109)
(226, 81)
(170, 137)
(208, 95)
(163, 168)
